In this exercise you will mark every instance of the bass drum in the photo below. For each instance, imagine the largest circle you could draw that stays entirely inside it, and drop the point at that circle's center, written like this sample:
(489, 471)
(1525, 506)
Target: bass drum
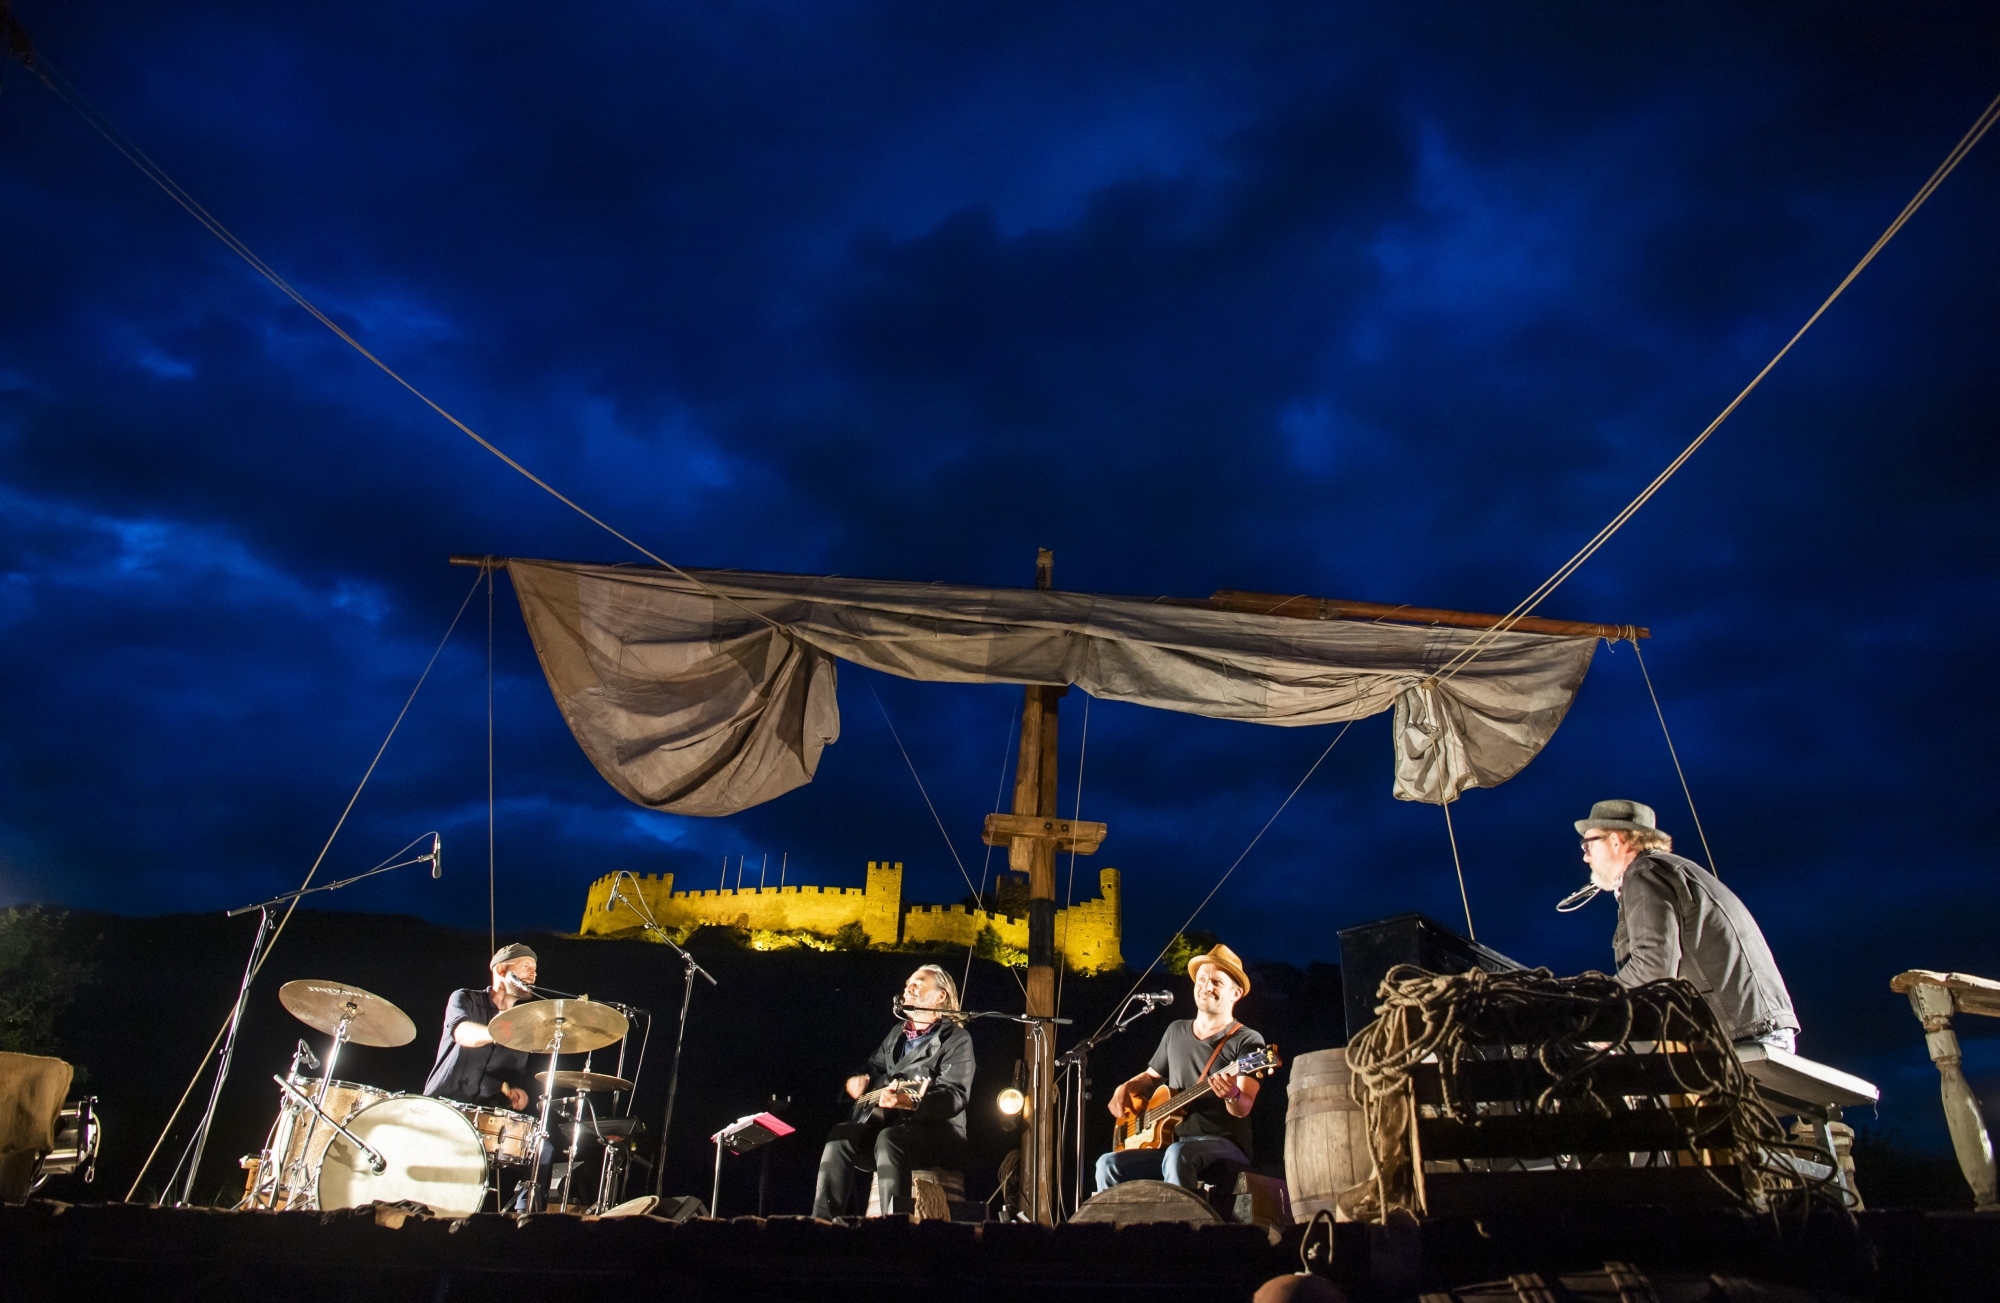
(433, 1157)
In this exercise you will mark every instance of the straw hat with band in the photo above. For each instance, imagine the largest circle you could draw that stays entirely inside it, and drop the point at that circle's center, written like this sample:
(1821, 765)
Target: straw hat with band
(1225, 959)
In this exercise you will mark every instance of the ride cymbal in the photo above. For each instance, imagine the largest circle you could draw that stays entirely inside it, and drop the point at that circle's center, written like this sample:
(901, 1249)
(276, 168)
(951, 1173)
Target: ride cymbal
(585, 1025)
(322, 1005)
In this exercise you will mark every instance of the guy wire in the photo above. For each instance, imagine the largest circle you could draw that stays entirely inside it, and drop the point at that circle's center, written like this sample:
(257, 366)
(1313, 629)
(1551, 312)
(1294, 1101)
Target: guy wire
(290, 909)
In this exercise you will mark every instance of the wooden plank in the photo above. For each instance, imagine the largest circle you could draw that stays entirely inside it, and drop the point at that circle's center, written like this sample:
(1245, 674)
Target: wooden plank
(1969, 994)
(1615, 1075)
(1545, 1135)
(1080, 835)
(1471, 1194)
(1328, 608)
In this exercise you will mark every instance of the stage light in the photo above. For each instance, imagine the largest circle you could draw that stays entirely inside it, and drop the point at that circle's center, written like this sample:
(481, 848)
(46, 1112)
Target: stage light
(1011, 1102)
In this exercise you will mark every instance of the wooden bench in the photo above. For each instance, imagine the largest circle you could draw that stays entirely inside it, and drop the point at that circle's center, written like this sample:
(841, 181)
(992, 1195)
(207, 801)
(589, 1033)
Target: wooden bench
(1813, 1092)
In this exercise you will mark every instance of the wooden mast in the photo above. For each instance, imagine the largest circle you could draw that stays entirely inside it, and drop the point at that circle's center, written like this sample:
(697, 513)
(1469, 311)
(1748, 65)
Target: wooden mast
(1033, 834)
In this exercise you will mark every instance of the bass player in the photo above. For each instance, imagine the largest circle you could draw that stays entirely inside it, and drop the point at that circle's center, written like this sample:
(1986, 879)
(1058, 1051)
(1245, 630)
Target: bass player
(1216, 1127)
(909, 1104)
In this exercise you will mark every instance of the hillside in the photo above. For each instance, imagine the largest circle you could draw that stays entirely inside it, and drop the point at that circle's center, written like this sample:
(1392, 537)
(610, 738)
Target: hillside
(789, 1023)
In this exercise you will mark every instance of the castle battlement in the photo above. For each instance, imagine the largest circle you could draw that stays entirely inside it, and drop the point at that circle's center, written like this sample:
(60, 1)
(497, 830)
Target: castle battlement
(1087, 934)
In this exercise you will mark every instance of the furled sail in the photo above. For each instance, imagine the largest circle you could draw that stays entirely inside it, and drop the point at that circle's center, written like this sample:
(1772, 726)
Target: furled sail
(711, 694)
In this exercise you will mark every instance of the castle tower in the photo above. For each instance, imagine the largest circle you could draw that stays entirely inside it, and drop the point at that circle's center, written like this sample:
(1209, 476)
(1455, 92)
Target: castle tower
(882, 906)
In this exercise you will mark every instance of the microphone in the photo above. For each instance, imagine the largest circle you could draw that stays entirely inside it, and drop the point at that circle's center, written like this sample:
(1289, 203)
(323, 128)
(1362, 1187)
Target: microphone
(1578, 899)
(437, 856)
(307, 1057)
(1157, 998)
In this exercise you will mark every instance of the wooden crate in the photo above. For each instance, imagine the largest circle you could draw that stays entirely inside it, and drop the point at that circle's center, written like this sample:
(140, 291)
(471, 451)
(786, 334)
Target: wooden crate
(1508, 1149)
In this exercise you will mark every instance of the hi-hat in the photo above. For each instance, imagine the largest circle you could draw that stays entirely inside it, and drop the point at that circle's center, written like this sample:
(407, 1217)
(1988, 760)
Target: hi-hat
(583, 1081)
(585, 1025)
(323, 1005)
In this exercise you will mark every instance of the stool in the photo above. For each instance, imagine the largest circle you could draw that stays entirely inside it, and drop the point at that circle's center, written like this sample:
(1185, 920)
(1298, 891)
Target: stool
(934, 1189)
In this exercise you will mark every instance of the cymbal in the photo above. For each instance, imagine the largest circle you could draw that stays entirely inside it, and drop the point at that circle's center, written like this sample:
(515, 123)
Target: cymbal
(584, 1081)
(371, 1020)
(586, 1025)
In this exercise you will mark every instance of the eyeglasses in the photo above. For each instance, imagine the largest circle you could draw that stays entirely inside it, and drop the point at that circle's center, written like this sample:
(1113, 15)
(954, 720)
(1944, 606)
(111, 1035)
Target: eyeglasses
(1585, 842)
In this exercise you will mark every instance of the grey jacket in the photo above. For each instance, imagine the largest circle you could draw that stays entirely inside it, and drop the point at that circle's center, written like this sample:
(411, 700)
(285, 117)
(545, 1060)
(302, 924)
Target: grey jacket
(1676, 919)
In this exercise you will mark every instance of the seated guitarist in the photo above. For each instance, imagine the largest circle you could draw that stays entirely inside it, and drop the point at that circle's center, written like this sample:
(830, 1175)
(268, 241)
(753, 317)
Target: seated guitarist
(896, 1129)
(1216, 1127)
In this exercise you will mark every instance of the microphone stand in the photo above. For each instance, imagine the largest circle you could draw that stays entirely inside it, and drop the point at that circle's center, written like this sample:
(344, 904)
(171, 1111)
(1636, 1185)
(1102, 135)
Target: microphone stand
(259, 948)
(689, 970)
(1076, 1073)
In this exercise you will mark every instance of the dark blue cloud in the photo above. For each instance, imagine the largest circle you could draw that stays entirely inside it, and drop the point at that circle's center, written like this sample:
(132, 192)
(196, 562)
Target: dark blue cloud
(1397, 307)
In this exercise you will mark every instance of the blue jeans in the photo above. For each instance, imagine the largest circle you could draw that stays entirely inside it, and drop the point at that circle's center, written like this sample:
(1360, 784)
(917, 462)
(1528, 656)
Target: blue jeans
(1181, 1162)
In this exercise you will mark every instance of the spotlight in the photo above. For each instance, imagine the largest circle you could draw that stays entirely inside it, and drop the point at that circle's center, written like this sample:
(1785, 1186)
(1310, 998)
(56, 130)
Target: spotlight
(1011, 1102)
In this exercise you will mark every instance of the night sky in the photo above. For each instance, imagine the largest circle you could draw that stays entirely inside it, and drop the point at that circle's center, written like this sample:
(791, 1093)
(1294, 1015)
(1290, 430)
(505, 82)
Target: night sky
(1387, 303)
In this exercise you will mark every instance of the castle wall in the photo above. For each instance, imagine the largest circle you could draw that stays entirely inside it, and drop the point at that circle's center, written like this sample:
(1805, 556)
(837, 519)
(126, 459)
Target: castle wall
(1088, 935)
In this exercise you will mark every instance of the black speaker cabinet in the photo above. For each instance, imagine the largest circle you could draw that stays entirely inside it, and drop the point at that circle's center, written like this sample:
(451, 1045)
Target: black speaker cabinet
(1369, 951)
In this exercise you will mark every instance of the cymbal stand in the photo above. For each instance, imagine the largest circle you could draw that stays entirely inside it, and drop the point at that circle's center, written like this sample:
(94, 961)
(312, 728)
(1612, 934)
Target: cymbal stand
(689, 971)
(270, 1173)
(537, 1198)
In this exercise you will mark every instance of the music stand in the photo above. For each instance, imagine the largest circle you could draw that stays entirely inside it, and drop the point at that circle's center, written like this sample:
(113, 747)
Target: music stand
(740, 1137)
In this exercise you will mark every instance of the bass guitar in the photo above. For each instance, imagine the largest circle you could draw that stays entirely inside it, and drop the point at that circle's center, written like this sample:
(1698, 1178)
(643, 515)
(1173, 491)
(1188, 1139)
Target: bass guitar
(1151, 1125)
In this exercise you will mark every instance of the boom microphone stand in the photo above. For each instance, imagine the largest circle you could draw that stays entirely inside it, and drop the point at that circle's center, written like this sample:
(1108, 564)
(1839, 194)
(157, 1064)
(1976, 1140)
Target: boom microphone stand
(259, 948)
(689, 969)
(1076, 1066)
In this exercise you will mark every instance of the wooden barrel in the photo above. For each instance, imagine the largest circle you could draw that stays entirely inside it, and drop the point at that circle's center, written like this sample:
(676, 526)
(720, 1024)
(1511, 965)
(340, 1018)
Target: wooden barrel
(1131, 1202)
(1326, 1141)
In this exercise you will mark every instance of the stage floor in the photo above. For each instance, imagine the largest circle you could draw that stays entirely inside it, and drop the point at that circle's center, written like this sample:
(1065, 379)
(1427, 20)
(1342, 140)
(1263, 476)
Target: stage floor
(133, 1252)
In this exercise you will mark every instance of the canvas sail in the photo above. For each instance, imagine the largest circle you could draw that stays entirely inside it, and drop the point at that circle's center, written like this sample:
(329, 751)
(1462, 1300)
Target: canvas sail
(710, 694)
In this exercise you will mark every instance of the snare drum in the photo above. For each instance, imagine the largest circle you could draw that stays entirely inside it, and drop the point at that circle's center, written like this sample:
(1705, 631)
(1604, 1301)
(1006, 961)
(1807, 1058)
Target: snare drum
(507, 1135)
(430, 1153)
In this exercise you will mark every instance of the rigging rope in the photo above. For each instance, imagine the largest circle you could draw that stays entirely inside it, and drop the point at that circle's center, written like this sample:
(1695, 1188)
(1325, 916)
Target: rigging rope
(1226, 874)
(492, 931)
(1685, 789)
(948, 843)
(66, 91)
(292, 908)
(986, 865)
(1465, 900)
(1527, 604)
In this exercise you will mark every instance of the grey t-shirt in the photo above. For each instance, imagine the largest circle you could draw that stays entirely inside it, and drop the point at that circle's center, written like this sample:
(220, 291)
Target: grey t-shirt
(1180, 1058)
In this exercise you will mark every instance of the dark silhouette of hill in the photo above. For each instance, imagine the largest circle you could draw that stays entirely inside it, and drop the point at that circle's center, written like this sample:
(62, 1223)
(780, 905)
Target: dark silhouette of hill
(787, 1023)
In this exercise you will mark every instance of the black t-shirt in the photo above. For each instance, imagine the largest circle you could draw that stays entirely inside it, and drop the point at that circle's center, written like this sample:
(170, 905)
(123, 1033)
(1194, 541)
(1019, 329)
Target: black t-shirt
(1180, 1058)
(473, 1074)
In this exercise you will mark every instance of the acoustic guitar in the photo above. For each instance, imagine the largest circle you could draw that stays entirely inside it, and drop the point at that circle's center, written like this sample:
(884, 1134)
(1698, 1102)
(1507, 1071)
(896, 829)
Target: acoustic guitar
(1151, 1125)
(914, 1087)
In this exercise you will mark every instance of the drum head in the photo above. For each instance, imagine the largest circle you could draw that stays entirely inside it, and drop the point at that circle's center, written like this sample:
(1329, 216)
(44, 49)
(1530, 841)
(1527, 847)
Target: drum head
(433, 1156)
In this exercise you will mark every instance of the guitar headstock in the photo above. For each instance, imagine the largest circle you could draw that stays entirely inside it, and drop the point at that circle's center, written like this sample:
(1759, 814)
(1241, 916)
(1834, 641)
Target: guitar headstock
(1260, 1062)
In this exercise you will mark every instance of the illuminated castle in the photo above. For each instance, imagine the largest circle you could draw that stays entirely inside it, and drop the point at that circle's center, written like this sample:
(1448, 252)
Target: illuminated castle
(1087, 934)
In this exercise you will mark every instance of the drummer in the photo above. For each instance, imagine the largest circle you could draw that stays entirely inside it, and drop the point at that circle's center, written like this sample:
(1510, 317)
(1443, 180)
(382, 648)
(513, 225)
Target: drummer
(470, 1067)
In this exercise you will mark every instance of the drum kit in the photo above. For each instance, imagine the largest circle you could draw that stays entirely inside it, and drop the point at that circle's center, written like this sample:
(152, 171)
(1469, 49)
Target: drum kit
(341, 1144)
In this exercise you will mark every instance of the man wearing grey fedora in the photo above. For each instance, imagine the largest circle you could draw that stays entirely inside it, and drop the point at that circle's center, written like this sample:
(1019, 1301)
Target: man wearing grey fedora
(1676, 919)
